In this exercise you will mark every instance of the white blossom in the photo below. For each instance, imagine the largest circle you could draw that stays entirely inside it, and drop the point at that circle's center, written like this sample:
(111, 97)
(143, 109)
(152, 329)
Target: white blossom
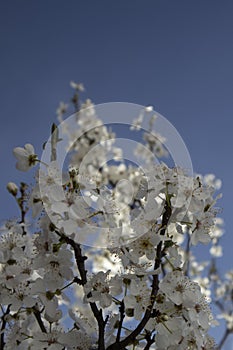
(26, 157)
(102, 246)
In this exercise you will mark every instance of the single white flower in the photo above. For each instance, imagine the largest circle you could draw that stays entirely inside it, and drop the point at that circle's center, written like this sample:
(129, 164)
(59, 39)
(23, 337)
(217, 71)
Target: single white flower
(180, 289)
(201, 227)
(139, 297)
(98, 289)
(77, 86)
(19, 297)
(26, 157)
(216, 251)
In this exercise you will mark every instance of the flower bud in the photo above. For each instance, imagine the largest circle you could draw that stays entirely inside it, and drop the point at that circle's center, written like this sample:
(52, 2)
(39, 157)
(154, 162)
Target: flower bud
(12, 188)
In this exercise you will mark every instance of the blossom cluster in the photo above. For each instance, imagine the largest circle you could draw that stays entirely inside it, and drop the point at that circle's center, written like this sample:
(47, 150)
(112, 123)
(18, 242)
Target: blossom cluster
(101, 256)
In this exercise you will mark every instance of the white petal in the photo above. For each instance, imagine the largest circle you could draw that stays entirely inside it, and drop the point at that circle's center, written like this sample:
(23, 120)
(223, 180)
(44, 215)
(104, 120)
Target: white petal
(29, 148)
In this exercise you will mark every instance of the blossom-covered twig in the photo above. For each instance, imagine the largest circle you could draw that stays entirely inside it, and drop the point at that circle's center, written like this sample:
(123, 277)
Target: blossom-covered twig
(155, 287)
(80, 261)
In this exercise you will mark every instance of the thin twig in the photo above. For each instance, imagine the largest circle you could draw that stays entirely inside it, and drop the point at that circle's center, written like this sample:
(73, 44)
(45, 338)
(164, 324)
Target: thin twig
(150, 340)
(22, 204)
(80, 261)
(187, 252)
(122, 316)
(2, 343)
(37, 314)
(224, 338)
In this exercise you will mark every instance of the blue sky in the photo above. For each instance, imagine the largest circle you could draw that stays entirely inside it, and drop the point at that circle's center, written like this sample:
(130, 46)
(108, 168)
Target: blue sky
(175, 55)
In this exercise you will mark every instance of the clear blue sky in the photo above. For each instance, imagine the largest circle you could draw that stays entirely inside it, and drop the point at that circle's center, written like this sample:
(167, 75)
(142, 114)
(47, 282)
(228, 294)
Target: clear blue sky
(176, 55)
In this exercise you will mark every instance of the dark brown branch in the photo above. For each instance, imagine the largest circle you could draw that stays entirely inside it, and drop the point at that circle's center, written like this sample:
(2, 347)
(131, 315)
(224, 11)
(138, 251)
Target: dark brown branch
(224, 338)
(79, 258)
(37, 314)
(54, 141)
(22, 204)
(122, 316)
(80, 261)
(2, 343)
(75, 101)
(187, 252)
(101, 323)
(150, 340)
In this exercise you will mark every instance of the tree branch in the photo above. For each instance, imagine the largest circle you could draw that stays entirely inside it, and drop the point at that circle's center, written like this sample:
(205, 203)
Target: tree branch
(150, 340)
(224, 338)
(80, 261)
(187, 253)
(2, 343)
(37, 314)
(122, 316)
